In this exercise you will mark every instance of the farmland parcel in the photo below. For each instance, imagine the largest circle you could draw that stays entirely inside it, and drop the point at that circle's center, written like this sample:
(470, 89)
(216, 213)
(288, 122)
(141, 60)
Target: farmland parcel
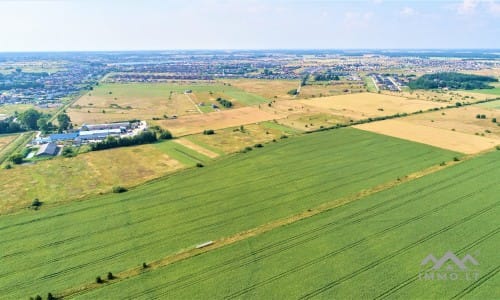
(118, 232)
(371, 248)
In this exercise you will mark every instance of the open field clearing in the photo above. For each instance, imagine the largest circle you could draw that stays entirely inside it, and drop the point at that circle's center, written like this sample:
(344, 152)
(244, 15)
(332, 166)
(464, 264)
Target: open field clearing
(364, 105)
(66, 179)
(117, 232)
(311, 121)
(231, 140)
(119, 102)
(269, 89)
(278, 89)
(368, 249)
(442, 138)
(335, 88)
(217, 120)
(463, 119)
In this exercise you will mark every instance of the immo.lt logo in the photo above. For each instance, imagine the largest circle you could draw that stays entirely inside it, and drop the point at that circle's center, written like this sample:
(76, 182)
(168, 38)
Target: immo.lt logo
(449, 267)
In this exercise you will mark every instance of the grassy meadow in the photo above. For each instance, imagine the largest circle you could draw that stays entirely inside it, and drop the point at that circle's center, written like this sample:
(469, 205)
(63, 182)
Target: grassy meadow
(71, 244)
(121, 102)
(66, 179)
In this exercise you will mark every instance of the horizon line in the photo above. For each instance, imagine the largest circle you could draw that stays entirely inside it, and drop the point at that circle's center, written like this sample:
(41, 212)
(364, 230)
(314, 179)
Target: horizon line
(252, 49)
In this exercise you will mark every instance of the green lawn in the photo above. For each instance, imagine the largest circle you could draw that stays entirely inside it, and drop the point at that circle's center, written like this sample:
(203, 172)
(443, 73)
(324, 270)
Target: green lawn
(366, 249)
(56, 248)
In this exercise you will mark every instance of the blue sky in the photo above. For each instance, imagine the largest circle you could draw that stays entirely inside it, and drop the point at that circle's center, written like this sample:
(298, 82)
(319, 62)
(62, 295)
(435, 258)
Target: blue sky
(61, 25)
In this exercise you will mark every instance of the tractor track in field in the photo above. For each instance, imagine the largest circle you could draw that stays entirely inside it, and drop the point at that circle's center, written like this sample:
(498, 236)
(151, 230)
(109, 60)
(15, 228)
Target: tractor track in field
(258, 230)
(373, 264)
(414, 278)
(183, 224)
(209, 273)
(263, 169)
(140, 246)
(318, 232)
(477, 283)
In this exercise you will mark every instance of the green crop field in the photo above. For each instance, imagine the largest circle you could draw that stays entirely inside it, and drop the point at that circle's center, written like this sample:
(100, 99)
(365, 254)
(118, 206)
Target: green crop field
(69, 245)
(370, 248)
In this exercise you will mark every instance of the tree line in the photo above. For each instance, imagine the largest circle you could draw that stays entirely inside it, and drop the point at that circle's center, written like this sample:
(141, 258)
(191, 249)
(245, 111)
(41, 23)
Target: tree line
(326, 76)
(150, 136)
(452, 80)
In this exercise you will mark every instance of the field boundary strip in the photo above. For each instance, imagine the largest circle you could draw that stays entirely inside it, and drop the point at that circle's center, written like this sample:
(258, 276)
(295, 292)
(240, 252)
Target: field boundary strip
(222, 242)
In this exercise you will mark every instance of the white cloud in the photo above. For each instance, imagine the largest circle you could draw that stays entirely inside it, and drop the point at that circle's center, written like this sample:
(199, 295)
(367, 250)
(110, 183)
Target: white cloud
(377, 1)
(408, 11)
(467, 7)
(494, 7)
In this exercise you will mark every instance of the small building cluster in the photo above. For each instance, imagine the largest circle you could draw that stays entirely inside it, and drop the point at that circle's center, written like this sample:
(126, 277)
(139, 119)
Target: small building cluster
(88, 133)
(49, 149)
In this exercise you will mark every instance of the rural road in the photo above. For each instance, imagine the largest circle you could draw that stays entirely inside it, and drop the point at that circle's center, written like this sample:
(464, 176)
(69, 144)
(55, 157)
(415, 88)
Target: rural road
(195, 105)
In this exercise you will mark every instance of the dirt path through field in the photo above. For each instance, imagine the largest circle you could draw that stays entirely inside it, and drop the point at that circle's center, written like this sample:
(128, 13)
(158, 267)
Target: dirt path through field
(195, 105)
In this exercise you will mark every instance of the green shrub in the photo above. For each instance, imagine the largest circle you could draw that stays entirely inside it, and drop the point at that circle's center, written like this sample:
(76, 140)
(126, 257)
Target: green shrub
(110, 276)
(16, 158)
(456, 159)
(119, 189)
(199, 165)
(258, 146)
(36, 203)
(165, 135)
(98, 279)
(208, 132)
(68, 152)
